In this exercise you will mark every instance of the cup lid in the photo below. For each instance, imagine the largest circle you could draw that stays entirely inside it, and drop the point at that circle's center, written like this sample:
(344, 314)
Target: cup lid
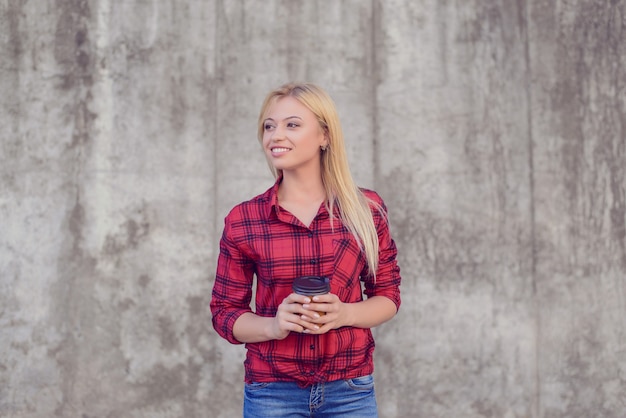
(311, 285)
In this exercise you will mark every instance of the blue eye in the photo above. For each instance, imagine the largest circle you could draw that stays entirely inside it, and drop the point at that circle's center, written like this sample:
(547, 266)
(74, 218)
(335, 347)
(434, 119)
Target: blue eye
(292, 125)
(267, 127)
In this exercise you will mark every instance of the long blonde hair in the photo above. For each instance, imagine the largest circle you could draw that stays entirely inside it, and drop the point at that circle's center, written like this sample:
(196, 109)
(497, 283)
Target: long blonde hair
(354, 207)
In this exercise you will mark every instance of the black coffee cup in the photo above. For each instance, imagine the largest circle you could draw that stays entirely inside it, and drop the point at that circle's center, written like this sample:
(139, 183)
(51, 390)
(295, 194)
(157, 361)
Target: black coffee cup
(311, 286)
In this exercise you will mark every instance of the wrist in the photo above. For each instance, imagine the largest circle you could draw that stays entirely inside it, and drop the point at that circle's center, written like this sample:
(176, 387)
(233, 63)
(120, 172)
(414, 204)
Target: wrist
(269, 330)
(349, 314)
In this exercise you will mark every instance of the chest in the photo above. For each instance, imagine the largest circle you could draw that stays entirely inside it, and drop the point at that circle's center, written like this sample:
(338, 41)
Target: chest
(283, 250)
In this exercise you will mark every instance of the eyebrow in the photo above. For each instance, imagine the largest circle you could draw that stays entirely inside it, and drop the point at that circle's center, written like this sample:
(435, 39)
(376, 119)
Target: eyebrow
(287, 118)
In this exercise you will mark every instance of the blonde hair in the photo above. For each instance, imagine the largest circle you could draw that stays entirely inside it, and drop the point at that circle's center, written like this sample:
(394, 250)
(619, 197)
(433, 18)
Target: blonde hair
(354, 207)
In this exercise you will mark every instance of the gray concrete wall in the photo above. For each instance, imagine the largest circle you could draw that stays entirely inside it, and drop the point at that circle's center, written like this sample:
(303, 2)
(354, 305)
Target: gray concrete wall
(495, 131)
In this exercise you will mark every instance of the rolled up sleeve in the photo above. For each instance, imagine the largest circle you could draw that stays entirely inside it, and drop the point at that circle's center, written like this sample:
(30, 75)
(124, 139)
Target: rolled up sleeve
(232, 290)
(388, 279)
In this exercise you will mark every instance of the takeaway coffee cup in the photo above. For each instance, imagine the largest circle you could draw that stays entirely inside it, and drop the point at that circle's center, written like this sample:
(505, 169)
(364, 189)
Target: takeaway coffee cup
(311, 286)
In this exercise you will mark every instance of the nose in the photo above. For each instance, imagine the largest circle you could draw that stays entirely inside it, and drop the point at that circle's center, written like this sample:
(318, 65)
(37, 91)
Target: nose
(278, 134)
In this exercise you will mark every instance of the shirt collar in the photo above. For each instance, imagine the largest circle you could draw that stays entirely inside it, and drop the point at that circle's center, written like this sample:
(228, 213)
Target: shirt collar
(272, 202)
(273, 198)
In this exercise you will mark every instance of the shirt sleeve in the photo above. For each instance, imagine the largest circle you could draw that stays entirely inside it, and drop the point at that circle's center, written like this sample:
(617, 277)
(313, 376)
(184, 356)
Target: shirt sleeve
(387, 281)
(232, 290)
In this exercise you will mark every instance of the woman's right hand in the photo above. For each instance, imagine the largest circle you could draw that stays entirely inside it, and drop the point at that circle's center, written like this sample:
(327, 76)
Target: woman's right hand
(289, 317)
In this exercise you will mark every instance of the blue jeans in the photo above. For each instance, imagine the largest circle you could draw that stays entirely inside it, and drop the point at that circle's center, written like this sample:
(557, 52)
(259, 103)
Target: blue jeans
(341, 398)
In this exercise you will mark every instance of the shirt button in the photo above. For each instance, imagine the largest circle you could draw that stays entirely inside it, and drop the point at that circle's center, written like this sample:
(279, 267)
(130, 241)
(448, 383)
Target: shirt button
(313, 261)
(312, 372)
(312, 347)
(310, 234)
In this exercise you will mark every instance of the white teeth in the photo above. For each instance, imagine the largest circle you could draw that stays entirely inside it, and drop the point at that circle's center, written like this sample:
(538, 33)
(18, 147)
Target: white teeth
(280, 149)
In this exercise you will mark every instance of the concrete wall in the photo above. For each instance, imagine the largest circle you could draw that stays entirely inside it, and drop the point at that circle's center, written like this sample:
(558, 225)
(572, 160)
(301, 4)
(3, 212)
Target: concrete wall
(495, 131)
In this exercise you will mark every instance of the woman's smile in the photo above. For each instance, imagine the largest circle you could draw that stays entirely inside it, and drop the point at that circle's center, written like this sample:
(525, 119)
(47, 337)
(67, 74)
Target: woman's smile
(278, 151)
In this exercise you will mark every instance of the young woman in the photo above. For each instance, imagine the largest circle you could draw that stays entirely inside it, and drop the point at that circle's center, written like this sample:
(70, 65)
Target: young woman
(306, 356)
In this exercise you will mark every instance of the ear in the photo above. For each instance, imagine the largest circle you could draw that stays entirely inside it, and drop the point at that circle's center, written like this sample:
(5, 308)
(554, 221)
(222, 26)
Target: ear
(324, 144)
(326, 140)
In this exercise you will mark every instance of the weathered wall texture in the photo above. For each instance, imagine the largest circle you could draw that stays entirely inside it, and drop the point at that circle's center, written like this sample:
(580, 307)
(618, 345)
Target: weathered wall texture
(495, 131)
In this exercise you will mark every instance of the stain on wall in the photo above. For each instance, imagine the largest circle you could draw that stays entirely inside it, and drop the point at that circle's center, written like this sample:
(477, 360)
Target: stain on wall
(579, 114)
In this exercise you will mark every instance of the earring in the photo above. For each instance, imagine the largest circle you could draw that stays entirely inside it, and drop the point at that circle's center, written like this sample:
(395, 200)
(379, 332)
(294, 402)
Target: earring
(323, 147)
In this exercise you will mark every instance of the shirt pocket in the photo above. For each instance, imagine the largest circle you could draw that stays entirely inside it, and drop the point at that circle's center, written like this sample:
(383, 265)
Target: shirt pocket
(348, 265)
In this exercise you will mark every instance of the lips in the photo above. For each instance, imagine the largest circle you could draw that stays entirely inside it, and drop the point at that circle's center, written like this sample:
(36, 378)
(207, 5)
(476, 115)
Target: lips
(279, 150)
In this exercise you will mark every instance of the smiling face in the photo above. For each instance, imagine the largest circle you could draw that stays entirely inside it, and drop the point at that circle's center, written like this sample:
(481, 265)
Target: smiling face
(292, 136)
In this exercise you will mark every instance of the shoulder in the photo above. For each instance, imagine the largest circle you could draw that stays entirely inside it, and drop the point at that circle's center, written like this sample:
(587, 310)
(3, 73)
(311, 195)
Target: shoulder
(377, 206)
(373, 197)
(254, 208)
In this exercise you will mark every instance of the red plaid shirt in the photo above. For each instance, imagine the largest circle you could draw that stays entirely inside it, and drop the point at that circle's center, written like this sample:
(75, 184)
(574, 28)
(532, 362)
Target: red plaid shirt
(260, 238)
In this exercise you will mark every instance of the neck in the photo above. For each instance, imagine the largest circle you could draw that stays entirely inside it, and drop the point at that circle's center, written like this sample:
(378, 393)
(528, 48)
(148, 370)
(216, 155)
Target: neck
(299, 187)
